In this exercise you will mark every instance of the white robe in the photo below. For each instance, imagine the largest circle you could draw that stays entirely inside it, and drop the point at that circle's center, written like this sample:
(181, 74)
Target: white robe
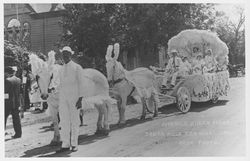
(70, 89)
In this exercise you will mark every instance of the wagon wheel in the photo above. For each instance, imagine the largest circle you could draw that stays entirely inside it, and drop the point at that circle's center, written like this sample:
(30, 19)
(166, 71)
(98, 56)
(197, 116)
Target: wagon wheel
(183, 99)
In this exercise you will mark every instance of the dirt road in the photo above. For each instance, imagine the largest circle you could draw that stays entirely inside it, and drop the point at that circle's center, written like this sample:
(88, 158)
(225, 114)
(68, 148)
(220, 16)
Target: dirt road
(207, 130)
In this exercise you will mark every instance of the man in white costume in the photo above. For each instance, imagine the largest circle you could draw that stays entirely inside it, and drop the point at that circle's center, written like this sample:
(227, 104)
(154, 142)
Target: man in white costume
(70, 98)
(172, 69)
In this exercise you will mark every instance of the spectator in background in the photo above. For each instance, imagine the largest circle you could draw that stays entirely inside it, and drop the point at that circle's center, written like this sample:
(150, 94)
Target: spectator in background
(26, 87)
(12, 99)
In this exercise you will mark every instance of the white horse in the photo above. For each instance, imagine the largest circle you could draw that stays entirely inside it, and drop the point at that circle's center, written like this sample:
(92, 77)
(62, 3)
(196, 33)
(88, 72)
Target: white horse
(138, 82)
(47, 77)
(97, 92)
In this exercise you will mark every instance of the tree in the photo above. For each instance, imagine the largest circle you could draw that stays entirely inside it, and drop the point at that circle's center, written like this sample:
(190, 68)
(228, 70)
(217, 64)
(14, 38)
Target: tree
(89, 28)
(15, 55)
(233, 34)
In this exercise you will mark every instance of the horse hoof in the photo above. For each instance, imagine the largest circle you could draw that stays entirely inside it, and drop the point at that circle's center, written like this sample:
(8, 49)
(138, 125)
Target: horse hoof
(98, 132)
(121, 123)
(102, 132)
(105, 132)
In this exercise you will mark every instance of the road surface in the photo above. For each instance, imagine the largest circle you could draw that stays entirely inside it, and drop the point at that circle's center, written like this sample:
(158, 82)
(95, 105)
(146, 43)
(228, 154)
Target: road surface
(207, 130)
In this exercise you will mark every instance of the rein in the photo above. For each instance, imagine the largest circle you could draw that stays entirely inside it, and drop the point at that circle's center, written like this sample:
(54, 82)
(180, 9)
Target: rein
(50, 89)
(117, 81)
(37, 77)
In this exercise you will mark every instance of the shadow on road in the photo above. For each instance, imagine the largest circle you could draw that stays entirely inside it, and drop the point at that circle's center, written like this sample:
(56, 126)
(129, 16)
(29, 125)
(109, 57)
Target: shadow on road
(202, 106)
(46, 129)
(166, 111)
(41, 150)
(8, 139)
(195, 107)
(169, 110)
(88, 139)
(129, 123)
(64, 154)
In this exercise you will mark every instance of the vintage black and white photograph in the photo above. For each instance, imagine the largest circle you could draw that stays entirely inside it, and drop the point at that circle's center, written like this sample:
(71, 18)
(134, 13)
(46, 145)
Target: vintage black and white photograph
(124, 80)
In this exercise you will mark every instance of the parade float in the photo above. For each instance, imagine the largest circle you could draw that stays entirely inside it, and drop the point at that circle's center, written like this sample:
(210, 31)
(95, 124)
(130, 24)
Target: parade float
(206, 86)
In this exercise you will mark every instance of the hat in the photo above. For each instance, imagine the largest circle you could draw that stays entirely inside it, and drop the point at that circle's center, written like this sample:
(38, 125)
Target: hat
(68, 49)
(8, 70)
(173, 51)
(14, 68)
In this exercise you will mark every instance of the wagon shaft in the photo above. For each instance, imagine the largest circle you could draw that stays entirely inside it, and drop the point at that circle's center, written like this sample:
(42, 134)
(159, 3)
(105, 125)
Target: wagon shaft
(165, 100)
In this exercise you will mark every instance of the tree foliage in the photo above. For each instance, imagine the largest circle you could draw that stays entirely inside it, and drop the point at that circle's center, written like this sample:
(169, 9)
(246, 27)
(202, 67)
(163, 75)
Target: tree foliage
(233, 34)
(89, 28)
(15, 55)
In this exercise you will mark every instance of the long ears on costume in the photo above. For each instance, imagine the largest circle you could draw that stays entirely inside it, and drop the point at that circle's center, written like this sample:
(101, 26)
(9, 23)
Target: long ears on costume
(36, 64)
(51, 59)
(109, 53)
(116, 51)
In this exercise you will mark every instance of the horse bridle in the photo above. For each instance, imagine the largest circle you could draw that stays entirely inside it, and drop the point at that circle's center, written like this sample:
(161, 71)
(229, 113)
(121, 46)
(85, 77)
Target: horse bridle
(49, 90)
(113, 79)
(120, 80)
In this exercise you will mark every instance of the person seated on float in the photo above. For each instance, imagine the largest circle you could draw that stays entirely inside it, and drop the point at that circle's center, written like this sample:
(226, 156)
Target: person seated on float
(194, 54)
(222, 62)
(198, 65)
(210, 62)
(172, 69)
(186, 67)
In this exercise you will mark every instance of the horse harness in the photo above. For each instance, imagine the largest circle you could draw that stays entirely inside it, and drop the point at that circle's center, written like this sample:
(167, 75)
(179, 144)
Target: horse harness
(120, 80)
(49, 89)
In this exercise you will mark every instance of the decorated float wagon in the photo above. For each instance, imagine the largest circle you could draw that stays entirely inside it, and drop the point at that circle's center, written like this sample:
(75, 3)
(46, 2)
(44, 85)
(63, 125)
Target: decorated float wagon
(207, 85)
